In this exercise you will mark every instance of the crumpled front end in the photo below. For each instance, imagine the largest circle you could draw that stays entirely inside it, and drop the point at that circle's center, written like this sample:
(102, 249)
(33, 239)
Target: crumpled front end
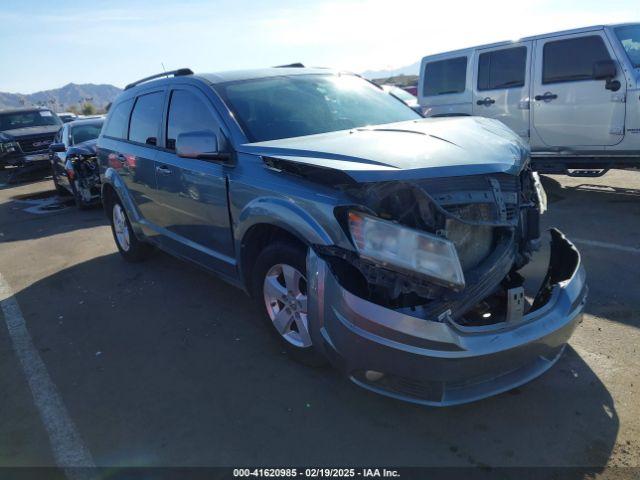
(420, 356)
(448, 331)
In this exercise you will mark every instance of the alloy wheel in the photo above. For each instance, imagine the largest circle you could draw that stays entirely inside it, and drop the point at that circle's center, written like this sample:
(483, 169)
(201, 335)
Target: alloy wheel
(285, 296)
(121, 227)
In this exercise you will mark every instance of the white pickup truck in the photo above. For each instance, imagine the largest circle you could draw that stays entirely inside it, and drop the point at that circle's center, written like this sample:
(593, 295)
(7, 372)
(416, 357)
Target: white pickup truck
(573, 95)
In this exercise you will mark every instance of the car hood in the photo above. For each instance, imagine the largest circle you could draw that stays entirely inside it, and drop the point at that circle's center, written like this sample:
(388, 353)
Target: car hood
(430, 147)
(84, 148)
(17, 133)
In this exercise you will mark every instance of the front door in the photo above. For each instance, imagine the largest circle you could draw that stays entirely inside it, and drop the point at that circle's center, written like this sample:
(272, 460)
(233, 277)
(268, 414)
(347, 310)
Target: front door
(569, 107)
(191, 194)
(501, 85)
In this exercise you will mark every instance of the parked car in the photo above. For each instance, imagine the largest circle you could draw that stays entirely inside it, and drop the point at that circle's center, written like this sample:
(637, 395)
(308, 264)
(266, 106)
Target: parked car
(389, 244)
(571, 95)
(67, 117)
(74, 168)
(25, 136)
(403, 96)
(412, 89)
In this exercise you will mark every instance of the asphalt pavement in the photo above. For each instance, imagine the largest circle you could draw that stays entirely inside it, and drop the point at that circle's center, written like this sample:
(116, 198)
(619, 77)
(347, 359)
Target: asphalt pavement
(161, 364)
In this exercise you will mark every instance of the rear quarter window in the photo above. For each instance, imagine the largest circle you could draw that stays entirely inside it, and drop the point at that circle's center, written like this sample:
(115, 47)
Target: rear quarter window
(445, 77)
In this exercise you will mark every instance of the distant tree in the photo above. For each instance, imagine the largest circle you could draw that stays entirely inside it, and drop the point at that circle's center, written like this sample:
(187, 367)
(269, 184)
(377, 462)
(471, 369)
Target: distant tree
(73, 109)
(88, 109)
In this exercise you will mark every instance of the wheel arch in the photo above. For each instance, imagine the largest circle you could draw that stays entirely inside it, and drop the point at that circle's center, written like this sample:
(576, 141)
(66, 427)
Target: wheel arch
(114, 188)
(256, 239)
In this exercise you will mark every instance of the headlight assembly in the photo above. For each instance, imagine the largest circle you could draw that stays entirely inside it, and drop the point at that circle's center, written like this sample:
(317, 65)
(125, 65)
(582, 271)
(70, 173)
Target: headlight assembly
(406, 249)
(8, 147)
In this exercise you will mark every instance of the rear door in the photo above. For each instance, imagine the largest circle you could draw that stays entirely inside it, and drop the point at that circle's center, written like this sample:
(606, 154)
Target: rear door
(501, 85)
(444, 87)
(569, 107)
(191, 194)
(137, 156)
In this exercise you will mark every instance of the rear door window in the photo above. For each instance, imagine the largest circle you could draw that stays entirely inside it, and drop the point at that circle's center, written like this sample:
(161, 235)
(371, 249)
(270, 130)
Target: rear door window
(187, 113)
(502, 68)
(572, 59)
(118, 123)
(146, 118)
(445, 76)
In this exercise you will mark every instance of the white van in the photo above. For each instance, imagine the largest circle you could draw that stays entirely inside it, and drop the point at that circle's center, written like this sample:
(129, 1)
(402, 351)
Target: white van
(573, 95)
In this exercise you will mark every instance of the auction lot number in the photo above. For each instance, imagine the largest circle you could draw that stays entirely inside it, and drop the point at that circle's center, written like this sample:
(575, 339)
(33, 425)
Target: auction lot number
(314, 473)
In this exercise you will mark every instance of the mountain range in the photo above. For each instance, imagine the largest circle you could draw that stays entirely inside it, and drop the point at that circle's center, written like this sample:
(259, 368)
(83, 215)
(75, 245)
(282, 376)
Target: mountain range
(406, 70)
(61, 99)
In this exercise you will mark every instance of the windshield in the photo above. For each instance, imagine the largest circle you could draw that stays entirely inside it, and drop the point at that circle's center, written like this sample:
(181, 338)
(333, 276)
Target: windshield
(402, 94)
(82, 133)
(630, 38)
(32, 118)
(298, 105)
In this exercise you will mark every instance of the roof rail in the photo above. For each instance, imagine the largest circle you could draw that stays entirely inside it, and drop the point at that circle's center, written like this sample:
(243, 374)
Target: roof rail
(176, 73)
(291, 65)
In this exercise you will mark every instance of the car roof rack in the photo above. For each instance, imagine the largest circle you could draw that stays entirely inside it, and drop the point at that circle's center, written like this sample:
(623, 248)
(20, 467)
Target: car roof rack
(291, 65)
(176, 73)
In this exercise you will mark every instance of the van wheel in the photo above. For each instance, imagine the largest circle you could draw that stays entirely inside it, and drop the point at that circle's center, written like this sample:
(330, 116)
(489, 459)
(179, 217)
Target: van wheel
(280, 285)
(132, 249)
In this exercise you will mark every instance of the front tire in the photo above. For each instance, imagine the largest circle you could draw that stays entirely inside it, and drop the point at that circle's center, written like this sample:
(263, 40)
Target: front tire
(63, 192)
(280, 287)
(131, 249)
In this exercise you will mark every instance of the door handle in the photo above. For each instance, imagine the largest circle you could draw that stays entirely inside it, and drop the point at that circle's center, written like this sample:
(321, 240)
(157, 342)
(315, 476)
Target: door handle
(163, 170)
(546, 97)
(486, 101)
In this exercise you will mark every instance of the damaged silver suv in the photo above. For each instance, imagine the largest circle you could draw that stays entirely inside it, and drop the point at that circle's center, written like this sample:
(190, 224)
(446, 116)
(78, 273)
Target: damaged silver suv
(400, 249)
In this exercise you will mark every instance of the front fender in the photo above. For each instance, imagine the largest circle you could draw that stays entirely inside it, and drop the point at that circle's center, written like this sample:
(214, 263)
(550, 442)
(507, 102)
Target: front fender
(284, 214)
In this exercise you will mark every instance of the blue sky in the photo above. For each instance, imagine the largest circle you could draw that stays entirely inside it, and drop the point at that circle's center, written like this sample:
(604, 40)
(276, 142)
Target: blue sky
(46, 44)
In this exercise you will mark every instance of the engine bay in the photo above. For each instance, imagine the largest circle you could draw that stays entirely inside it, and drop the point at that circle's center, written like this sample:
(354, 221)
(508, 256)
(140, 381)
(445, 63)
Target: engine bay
(493, 221)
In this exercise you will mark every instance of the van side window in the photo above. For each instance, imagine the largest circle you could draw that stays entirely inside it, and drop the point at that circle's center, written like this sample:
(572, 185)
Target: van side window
(445, 76)
(502, 68)
(118, 122)
(146, 118)
(572, 59)
(187, 113)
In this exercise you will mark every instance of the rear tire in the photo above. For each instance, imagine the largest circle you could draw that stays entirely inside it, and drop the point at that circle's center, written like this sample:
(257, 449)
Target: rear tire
(131, 249)
(279, 286)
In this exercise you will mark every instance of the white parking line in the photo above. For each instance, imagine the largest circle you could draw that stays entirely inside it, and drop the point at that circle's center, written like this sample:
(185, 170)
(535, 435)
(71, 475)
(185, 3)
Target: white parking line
(611, 246)
(68, 449)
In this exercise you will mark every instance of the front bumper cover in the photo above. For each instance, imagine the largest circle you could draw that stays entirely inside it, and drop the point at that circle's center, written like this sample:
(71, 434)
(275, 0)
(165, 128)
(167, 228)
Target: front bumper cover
(24, 159)
(439, 362)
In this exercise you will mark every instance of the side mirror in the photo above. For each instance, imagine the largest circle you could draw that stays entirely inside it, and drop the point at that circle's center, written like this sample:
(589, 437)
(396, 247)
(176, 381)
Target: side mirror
(201, 145)
(57, 147)
(604, 70)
